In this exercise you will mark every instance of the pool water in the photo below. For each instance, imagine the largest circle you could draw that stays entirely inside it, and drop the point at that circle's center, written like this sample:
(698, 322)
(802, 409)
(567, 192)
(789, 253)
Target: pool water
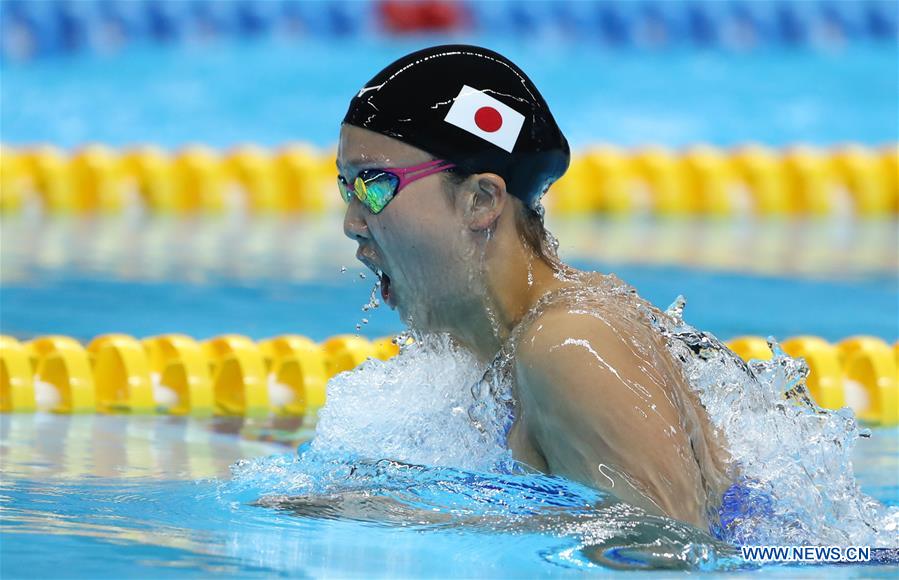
(145, 496)
(270, 93)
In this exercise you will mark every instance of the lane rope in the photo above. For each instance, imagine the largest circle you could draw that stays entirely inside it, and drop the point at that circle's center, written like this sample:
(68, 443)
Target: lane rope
(232, 375)
(40, 29)
(602, 179)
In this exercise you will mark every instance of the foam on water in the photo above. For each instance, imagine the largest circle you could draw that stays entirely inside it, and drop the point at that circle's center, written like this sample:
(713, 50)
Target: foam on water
(417, 407)
(794, 456)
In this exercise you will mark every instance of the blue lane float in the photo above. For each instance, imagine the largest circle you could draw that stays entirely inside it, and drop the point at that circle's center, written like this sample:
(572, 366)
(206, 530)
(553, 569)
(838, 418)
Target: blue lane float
(35, 29)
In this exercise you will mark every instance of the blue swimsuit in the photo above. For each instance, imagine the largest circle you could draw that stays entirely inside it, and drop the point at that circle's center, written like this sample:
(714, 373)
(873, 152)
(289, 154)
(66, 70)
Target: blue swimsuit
(742, 501)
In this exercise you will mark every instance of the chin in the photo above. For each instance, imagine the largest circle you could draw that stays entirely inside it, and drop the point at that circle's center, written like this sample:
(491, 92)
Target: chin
(421, 319)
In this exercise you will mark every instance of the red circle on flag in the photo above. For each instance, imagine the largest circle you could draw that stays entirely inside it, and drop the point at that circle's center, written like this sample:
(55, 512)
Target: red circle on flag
(488, 119)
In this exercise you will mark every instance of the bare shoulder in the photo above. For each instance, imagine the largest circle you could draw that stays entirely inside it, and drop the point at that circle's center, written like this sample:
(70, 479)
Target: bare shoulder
(598, 388)
(590, 363)
(582, 319)
(566, 341)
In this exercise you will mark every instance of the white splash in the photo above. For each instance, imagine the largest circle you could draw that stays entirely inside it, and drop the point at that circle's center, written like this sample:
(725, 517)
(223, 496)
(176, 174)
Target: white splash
(414, 408)
(794, 456)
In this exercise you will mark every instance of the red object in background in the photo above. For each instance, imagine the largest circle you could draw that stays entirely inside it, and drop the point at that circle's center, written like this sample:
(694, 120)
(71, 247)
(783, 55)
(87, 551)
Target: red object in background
(407, 16)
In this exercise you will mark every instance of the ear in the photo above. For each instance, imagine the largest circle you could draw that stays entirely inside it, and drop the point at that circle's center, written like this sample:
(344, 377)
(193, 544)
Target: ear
(486, 200)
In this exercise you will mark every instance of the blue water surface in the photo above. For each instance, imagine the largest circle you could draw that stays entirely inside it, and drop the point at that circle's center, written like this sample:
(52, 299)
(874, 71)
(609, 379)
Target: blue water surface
(725, 304)
(150, 497)
(271, 93)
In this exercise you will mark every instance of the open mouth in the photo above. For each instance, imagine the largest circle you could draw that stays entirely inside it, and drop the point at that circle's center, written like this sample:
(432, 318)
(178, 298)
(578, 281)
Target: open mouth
(384, 281)
(383, 278)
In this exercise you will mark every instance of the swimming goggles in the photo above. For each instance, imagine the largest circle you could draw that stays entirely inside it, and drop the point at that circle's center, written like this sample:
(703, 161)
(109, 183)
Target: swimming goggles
(376, 187)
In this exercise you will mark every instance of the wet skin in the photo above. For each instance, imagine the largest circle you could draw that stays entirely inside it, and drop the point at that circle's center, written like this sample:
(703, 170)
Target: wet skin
(599, 399)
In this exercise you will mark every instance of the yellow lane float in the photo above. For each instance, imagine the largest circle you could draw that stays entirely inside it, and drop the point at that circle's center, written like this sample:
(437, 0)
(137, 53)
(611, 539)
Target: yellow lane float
(239, 377)
(232, 375)
(699, 180)
(870, 364)
(299, 365)
(198, 180)
(121, 374)
(759, 170)
(181, 375)
(14, 183)
(751, 347)
(148, 171)
(63, 365)
(16, 377)
(48, 173)
(97, 180)
(346, 351)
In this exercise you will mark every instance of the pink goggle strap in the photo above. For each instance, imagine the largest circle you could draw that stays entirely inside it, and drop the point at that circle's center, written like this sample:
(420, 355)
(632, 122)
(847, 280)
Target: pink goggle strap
(409, 174)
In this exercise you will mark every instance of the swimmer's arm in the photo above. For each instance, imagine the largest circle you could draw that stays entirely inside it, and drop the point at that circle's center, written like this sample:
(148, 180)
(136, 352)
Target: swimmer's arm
(600, 415)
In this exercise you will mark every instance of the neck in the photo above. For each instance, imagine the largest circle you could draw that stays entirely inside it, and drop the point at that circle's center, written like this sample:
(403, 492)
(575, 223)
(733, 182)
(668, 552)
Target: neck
(515, 279)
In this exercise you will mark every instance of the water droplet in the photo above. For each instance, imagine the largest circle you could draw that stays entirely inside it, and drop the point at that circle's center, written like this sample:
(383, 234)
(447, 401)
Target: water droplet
(676, 310)
(362, 275)
(775, 347)
(343, 269)
(373, 301)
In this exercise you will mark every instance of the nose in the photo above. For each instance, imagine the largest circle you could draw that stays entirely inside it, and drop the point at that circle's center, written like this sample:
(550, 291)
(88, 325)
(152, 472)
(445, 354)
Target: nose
(354, 225)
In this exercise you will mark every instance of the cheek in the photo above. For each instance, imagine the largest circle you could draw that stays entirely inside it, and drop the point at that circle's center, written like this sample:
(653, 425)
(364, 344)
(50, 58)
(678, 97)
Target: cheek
(422, 255)
(412, 246)
(417, 230)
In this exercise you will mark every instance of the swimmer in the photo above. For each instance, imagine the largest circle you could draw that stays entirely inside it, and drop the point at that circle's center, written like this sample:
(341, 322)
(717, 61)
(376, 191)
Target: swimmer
(443, 159)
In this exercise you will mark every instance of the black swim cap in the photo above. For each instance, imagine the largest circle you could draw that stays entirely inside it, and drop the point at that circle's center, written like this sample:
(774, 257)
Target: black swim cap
(471, 106)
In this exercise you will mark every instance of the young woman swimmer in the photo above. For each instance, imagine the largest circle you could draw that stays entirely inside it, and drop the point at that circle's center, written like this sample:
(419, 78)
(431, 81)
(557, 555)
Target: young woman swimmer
(443, 158)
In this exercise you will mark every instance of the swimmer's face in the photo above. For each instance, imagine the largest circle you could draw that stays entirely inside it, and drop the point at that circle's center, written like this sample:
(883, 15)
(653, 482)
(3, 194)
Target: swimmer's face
(420, 240)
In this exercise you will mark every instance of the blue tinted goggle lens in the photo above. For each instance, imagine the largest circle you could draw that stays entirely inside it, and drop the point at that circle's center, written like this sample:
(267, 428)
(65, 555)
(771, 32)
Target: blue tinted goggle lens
(372, 187)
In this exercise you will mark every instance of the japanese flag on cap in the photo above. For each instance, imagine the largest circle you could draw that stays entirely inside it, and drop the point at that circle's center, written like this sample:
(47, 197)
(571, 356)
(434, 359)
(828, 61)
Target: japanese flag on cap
(485, 117)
